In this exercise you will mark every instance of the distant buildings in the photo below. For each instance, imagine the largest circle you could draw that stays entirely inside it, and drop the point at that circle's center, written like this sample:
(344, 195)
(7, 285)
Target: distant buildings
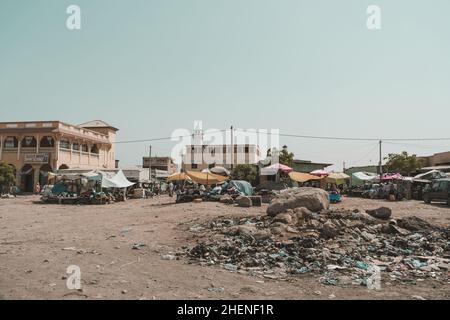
(438, 161)
(370, 168)
(160, 164)
(199, 157)
(307, 166)
(35, 148)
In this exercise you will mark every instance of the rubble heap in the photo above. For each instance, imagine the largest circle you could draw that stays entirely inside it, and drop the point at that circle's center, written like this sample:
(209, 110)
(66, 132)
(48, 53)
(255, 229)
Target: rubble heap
(340, 246)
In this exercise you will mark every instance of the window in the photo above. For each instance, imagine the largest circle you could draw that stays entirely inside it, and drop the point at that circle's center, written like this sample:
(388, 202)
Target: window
(85, 148)
(247, 149)
(11, 142)
(435, 186)
(29, 142)
(64, 144)
(194, 166)
(76, 146)
(443, 186)
(47, 142)
(94, 149)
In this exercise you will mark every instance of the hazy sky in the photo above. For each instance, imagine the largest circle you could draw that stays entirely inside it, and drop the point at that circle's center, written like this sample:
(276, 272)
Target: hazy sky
(304, 67)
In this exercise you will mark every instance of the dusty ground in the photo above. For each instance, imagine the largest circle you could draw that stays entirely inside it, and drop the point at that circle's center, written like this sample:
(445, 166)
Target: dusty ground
(33, 263)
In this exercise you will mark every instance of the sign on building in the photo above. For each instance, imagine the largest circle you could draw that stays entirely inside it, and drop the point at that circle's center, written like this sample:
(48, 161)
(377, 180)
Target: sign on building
(36, 157)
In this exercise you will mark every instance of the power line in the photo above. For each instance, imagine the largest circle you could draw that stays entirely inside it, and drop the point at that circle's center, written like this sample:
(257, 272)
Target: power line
(360, 139)
(296, 136)
(163, 138)
(416, 145)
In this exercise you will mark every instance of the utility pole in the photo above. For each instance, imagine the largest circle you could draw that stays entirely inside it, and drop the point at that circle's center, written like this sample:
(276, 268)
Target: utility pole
(381, 162)
(232, 148)
(150, 164)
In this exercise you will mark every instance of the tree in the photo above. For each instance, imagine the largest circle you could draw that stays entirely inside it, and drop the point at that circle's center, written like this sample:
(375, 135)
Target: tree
(403, 163)
(245, 172)
(286, 157)
(6, 176)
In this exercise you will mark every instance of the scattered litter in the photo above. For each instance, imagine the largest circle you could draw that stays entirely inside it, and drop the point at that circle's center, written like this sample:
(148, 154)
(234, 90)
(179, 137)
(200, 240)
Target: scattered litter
(168, 257)
(138, 246)
(342, 246)
(216, 289)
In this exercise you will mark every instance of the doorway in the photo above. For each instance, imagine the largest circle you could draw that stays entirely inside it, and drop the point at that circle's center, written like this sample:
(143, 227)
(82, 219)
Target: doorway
(27, 178)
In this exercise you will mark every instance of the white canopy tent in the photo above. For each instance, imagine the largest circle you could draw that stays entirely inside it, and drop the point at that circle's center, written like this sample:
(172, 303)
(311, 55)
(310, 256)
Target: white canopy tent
(117, 180)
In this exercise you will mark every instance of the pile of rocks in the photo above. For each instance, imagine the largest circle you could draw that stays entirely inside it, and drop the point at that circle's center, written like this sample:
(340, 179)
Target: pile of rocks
(341, 246)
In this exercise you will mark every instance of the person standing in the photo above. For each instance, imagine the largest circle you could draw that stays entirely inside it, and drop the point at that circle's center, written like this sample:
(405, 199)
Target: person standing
(37, 188)
(170, 189)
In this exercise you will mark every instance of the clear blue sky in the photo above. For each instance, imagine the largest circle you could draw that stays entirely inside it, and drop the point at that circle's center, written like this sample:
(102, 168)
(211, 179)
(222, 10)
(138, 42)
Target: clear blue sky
(305, 67)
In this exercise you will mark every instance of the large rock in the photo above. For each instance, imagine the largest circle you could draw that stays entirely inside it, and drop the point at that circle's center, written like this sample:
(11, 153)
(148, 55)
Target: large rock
(383, 213)
(245, 231)
(226, 199)
(285, 218)
(314, 199)
(329, 230)
(243, 201)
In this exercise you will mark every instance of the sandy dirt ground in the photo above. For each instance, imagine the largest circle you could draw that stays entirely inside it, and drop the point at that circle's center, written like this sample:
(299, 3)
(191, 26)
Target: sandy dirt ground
(39, 241)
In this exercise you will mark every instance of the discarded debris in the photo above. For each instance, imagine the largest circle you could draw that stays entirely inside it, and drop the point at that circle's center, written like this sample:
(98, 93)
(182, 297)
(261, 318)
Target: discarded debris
(380, 213)
(344, 247)
(168, 257)
(138, 246)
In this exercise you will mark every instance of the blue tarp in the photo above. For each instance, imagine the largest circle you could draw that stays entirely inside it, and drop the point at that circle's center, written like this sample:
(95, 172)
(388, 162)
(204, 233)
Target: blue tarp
(244, 187)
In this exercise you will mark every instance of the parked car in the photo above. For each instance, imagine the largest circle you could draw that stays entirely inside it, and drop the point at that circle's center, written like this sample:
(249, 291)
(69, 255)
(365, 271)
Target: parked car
(438, 191)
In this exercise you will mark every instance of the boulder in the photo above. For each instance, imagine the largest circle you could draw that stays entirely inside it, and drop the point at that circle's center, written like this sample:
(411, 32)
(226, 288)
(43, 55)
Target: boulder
(329, 230)
(227, 199)
(277, 230)
(284, 218)
(275, 208)
(303, 213)
(314, 199)
(383, 213)
(415, 224)
(247, 231)
(244, 201)
(261, 235)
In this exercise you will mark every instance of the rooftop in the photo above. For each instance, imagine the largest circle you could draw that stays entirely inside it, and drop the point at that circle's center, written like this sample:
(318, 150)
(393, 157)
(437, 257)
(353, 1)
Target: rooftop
(97, 124)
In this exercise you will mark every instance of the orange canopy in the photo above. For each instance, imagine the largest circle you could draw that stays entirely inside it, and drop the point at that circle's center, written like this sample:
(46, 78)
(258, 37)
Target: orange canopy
(180, 176)
(206, 178)
(302, 177)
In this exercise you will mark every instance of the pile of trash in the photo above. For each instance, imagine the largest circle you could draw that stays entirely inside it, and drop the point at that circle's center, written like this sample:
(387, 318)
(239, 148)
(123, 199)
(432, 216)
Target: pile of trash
(342, 247)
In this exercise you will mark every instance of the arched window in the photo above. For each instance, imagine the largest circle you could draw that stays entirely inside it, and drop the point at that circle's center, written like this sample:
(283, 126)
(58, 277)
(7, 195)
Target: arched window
(64, 144)
(11, 142)
(29, 142)
(94, 149)
(47, 142)
(63, 167)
